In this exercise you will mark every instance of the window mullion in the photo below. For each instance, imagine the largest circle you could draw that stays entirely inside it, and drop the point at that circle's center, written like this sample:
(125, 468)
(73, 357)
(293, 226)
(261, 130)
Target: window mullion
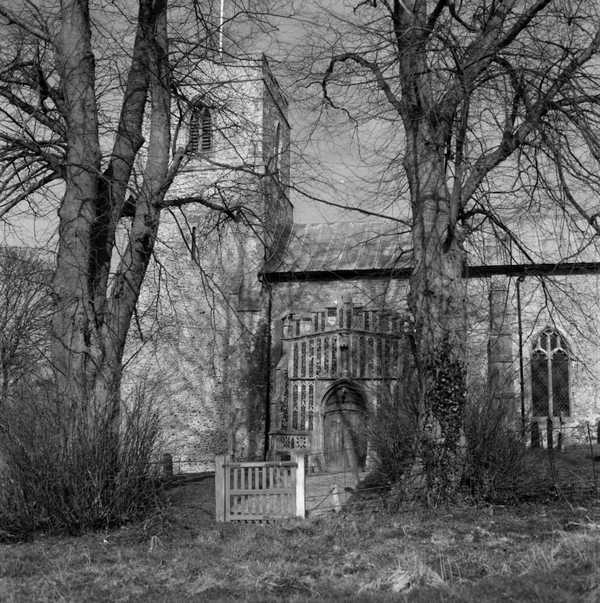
(550, 388)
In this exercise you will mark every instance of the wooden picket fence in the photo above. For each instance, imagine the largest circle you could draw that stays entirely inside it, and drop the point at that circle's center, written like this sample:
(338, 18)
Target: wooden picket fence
(259, 491)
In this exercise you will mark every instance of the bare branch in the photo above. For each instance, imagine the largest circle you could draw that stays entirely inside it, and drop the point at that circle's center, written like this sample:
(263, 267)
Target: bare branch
(28, 28)
(36, 112)
(199, 200)
(371, 66)
(435, 15)
(512, 140)
(26, 192)
(522, 23)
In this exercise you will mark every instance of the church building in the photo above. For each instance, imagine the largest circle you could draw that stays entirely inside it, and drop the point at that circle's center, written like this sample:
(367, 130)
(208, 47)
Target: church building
(260, 336)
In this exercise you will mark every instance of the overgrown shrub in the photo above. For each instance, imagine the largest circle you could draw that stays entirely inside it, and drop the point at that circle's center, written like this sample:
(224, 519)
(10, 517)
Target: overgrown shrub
(495, 455)
(392, 428)
(69, 471)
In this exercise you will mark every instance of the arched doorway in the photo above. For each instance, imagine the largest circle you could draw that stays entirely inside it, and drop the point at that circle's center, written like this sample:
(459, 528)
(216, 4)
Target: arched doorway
(344, 427)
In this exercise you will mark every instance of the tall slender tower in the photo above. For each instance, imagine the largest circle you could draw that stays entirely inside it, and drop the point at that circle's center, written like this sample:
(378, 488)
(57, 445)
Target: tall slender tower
(204, 312)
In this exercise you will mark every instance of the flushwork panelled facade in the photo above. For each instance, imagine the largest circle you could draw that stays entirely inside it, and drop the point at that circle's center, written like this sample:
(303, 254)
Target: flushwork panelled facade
(343, 346)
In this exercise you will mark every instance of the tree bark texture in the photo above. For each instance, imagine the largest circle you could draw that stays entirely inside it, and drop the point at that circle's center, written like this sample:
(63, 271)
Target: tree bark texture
(73, 325)
(92, 313)
(436, 297)
(436, 301)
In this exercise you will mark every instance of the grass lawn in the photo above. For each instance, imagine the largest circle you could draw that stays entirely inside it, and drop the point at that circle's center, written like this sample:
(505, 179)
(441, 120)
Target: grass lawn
(527, 553)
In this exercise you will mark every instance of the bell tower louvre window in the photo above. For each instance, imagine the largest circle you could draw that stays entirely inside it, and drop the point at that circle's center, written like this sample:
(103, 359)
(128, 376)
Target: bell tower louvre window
(200, 134)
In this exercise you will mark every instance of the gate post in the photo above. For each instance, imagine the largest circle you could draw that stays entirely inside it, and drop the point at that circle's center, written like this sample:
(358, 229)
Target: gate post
(298, 458)
(221, 475)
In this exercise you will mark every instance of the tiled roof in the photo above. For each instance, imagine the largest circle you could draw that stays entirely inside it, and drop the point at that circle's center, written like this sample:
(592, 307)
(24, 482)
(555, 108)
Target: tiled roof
(346, 246)
(375, 247)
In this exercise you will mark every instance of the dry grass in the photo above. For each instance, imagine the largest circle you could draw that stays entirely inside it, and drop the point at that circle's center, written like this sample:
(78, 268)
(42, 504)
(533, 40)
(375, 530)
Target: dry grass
(528, 553)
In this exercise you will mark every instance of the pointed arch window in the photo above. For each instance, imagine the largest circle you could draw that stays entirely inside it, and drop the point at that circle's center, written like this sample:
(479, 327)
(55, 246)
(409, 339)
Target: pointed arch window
(200, 134)
(550, 361)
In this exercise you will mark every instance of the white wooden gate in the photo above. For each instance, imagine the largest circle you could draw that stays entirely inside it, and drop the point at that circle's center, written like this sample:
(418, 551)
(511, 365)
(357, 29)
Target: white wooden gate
(259, 491)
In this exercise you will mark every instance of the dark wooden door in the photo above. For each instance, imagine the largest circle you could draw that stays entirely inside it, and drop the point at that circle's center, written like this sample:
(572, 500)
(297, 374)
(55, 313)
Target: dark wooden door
(344, 439)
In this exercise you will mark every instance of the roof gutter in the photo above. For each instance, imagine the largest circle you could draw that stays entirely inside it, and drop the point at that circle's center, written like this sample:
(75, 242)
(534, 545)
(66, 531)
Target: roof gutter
(481, 271)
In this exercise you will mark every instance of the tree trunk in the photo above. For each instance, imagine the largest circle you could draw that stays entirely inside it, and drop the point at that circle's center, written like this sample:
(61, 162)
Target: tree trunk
(92, 317)
(73, 323)
(436, 301)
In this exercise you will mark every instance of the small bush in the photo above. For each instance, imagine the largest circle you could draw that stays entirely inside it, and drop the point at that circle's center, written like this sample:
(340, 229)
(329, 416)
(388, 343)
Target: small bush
(69, 472)
(495, 455)
(391, 430)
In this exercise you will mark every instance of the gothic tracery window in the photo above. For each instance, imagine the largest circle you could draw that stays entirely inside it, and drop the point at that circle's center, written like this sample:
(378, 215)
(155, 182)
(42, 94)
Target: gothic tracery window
(550, 375)
(200, 135)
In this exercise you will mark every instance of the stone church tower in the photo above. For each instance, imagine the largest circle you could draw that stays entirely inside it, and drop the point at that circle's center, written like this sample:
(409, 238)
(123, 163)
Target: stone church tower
(204, 312)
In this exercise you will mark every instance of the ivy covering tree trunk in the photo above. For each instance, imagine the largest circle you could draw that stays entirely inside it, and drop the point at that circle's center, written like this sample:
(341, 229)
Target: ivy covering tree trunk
(437, 304)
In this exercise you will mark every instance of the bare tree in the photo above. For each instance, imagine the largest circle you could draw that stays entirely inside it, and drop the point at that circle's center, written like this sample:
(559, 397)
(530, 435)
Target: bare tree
(92, 103)
(25, 314)
(485, 112)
